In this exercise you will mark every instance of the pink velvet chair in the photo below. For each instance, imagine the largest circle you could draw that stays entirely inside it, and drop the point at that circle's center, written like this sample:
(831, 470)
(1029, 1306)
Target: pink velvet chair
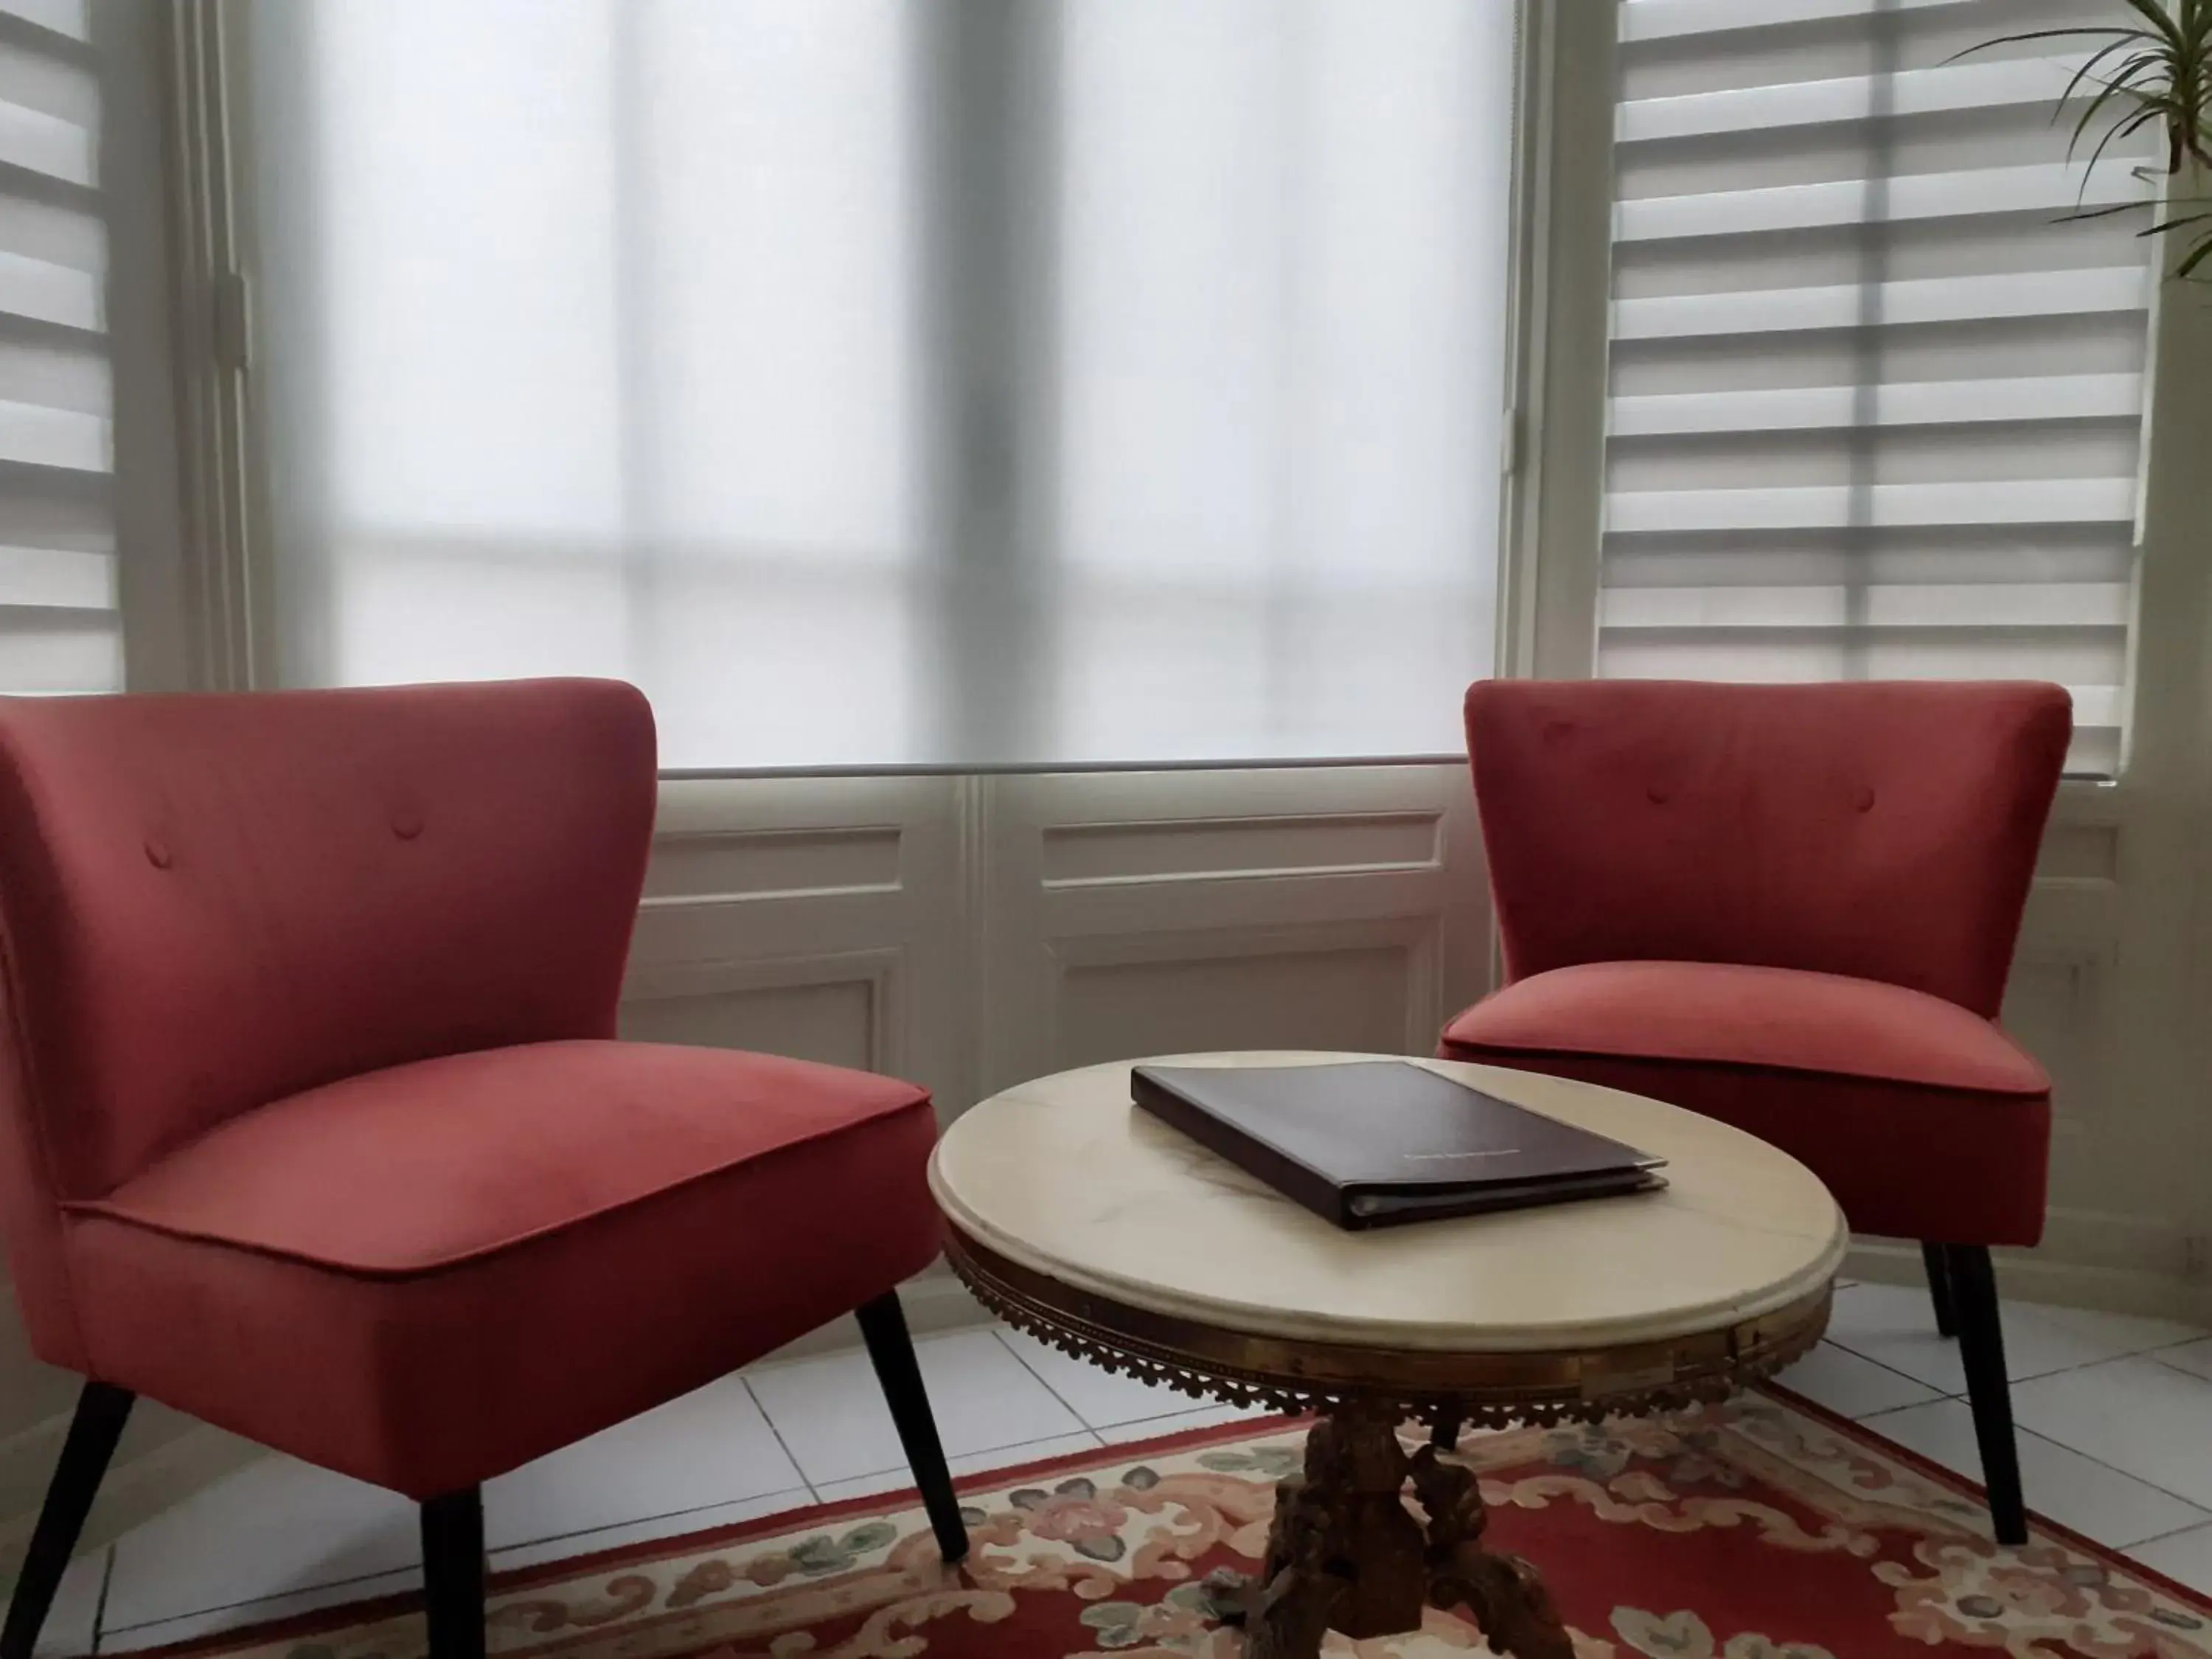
(1792, 908)
(314, 1126)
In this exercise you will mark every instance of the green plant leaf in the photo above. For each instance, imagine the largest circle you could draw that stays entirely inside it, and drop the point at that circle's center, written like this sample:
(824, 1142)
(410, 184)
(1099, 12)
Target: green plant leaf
(2128, 37)
(2041, 34)
(2156, 14)
(2154, 98)
(2081, 216)
(2153, 72)
(2165, 226)
(2125, 128)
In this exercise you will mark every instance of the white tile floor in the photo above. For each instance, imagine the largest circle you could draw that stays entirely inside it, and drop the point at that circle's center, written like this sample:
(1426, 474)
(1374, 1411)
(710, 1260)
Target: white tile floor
(2115, 1415)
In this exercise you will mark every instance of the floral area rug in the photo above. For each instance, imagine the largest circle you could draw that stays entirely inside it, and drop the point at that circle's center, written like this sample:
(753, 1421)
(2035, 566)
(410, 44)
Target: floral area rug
(1761, 1530)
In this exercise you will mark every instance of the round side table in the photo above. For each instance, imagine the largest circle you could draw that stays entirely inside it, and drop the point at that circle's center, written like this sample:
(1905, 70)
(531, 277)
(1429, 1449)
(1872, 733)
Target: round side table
(1087, 1221)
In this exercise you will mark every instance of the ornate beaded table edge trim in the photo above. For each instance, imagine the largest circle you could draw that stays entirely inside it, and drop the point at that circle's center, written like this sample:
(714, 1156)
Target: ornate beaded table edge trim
(1286, 1374)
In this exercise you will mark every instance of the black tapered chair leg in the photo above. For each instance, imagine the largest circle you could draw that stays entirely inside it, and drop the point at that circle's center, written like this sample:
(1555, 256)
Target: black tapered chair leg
(1981, 1347)
(882, 1326)
(453, 1573)
(1939, 1288)
(101, 1411)
(1443, 1432)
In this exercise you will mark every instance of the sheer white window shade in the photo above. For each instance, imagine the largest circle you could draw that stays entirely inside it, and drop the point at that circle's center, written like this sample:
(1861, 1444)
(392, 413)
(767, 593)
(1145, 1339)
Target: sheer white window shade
(59, 631)
(1875, 404)
(896, 381)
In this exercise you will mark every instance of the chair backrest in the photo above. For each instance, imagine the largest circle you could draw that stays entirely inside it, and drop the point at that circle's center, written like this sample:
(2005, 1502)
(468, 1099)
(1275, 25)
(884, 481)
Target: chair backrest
(207, 902)
(1884, 830)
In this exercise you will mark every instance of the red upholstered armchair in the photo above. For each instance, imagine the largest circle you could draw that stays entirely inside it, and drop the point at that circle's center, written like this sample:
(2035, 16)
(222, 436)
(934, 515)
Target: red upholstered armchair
(1791, 908)
(312, 1124)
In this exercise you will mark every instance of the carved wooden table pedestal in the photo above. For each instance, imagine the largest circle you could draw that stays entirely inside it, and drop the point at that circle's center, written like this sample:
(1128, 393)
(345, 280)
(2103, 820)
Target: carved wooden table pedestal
(1098, 1228)
(1346, 1554)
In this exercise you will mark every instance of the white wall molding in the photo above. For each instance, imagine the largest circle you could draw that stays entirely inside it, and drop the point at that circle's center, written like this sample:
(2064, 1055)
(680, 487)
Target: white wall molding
(934, 1302)
(819, 917)
(1394, 959)
(2033, 1276)
(164, 1458)
(1157, 912)
(699, 1001)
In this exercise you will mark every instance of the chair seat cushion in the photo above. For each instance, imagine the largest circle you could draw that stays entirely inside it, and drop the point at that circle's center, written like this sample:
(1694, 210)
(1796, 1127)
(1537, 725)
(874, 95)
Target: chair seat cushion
(1729, 1014)
(426, 1275)
(1924, 1119)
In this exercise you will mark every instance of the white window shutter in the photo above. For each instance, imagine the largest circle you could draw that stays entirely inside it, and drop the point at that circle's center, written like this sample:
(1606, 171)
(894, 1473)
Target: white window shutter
(59, 631)
(1876, 400)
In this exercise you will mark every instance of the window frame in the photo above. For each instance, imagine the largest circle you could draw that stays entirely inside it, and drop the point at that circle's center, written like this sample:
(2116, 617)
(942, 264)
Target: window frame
(221, 634)
(230, 600)
(221, 623)
(1562, 288)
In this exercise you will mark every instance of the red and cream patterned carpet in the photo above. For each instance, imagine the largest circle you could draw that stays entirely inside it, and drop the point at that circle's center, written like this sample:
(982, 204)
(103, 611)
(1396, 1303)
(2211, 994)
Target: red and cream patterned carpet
(1762, 1529)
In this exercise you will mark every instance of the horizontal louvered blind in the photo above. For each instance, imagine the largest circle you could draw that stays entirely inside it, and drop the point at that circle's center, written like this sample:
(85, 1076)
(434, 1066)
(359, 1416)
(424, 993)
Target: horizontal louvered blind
(59, 631)
(1874, 402)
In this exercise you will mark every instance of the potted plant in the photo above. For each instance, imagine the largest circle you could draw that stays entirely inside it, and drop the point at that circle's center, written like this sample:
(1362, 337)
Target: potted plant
(2154, 73)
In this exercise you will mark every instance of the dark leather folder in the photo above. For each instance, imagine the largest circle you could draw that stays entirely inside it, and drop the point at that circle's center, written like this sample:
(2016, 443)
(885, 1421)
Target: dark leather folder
(1375, 1143)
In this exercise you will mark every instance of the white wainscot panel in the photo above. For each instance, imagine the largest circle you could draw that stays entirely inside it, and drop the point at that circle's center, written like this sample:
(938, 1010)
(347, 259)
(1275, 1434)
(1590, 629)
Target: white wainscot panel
(2059, 1002)
(1162, 912)
(814, 917)
(838, 1010)
(1357, 985)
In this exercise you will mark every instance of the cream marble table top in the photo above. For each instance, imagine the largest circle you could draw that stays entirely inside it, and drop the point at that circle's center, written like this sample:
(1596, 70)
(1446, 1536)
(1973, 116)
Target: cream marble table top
(1064, 1177)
